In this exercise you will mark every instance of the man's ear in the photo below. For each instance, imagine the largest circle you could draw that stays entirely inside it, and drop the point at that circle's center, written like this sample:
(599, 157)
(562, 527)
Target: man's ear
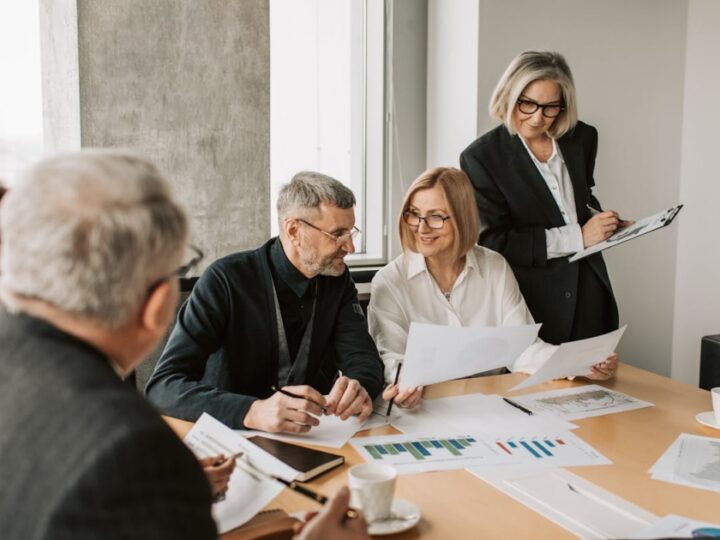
(158, 309)
(291, 227)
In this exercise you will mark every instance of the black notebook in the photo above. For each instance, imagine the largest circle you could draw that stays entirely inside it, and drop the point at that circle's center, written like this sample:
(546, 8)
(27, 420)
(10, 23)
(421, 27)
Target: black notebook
(310, 463)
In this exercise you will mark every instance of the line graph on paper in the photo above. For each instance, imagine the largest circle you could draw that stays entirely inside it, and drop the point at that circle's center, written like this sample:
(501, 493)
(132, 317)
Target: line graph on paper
(581, 402)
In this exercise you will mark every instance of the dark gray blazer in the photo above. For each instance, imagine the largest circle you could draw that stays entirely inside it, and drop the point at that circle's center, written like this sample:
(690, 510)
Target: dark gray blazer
(83, 455)
(516, 207)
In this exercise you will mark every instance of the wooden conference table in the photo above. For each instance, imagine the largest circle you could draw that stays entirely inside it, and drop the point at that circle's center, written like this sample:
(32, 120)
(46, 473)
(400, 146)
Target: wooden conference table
(456, 504)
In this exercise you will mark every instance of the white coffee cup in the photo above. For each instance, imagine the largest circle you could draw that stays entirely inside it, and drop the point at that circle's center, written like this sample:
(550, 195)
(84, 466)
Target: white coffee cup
(372, 488)
(715, 393)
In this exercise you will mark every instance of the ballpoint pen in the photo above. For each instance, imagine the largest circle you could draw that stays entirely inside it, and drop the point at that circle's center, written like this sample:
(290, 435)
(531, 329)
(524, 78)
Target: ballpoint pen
(517, 406)
(392, 400)
(290, 394)
(254, 471)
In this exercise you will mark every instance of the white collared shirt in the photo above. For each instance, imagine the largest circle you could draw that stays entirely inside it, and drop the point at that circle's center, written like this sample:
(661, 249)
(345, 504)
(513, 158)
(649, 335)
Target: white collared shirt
(560, 241)
(484, 294)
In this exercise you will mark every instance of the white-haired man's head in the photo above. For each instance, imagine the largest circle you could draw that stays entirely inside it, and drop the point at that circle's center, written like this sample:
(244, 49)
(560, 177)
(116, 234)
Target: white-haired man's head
(89, 233)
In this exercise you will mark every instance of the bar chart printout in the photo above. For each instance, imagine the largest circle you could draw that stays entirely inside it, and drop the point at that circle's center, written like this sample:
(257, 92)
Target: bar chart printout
(418, 454)
(559, 450)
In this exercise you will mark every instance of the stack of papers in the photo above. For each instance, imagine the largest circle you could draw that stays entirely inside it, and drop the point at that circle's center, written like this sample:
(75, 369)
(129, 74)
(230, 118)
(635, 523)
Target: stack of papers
(690, 461)
(580, 402)
(581, 507)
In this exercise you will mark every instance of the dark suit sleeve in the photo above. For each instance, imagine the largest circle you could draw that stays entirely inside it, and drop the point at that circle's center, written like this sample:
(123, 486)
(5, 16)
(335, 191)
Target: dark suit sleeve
(143, 484)
(176, 386)
(521, 246)
(357, 355)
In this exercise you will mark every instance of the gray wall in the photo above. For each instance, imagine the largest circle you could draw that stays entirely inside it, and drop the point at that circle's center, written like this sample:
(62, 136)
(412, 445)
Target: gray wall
(186, 83)
(628, 59)
(697, 290)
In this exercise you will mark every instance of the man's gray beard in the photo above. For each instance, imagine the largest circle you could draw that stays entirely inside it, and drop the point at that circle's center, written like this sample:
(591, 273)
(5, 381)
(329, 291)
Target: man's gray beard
(321, 268)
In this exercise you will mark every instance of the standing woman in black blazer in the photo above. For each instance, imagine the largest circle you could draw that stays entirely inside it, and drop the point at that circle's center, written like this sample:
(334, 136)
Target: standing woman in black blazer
(533, 179)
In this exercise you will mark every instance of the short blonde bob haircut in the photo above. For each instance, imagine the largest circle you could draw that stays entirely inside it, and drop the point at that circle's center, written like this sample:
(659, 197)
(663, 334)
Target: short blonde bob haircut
(525, 68)
(461, 205)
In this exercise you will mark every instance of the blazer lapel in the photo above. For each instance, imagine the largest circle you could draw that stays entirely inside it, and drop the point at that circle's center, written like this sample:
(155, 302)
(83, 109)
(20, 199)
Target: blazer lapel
(573, 156)
(524, 167)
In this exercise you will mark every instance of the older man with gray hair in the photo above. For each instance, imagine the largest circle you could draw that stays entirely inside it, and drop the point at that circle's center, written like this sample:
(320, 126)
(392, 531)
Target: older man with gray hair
(90, 244)
(272, 338)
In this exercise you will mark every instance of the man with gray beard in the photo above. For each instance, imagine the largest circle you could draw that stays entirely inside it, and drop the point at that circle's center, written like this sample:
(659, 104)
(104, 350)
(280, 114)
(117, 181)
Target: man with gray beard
(272, 338)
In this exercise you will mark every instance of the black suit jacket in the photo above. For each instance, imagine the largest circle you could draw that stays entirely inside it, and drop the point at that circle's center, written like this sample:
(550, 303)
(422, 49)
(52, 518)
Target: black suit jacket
(84, 456)
(223, 352)
(516, 207)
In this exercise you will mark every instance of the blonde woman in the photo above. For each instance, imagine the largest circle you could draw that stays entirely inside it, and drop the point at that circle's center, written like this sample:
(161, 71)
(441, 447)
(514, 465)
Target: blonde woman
(533, 178)
(443, 277)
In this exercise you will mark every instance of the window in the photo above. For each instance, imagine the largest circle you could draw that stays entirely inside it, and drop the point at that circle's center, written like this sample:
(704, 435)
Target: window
(21, 129)
(326, 103)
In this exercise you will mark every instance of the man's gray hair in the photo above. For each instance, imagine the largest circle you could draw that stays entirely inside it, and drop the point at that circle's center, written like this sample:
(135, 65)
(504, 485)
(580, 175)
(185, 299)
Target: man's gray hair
(306, 191)
(89, 233)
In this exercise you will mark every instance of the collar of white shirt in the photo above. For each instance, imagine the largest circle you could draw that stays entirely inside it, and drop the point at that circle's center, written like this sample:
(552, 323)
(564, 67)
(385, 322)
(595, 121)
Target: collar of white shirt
(555, 153)
(416, 263)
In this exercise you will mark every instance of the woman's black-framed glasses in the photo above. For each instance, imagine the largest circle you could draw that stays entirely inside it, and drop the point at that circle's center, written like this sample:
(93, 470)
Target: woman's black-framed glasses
(549, 110)
(434, 221)
(340, 238)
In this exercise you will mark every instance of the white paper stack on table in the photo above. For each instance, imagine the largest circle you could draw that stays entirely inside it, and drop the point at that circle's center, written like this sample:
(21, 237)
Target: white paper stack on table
(332, 432)
(583, 508)
(580, 402)
(692, 461)
(246, 494)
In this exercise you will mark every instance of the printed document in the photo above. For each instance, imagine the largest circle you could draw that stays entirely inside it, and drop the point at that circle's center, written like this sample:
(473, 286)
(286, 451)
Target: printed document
(574, 358)
(332, 432)
(246, 494)
(580, 402)
(674, 526)
(437, 353)
(692, 461)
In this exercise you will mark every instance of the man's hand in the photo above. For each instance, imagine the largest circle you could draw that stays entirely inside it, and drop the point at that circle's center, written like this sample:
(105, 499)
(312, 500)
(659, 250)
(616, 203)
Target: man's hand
(406, 399)
(604, 370)
(333, 523)
(218, 471)
(282, 413)
(348, 397)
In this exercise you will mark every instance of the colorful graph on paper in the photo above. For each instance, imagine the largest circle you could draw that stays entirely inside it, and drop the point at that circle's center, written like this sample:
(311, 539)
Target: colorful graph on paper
(560, 450)
(410, 454)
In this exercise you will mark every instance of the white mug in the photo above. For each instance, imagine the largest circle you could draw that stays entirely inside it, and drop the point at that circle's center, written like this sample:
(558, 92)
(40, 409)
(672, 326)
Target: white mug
(372, 488)
(715, 393)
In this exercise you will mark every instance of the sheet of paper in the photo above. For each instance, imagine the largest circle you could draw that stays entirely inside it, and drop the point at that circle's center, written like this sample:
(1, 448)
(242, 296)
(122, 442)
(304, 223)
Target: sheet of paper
(474, 413)
(246, 495)
(692, 461)
(410, 453)
(580, 402)
(583, 508)
(674, 526)
(436, 353)
(332, 432)
(640, 227)
(574, 358)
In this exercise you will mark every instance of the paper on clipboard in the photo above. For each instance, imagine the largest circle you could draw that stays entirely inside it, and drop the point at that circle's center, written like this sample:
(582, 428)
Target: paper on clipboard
(640, 227)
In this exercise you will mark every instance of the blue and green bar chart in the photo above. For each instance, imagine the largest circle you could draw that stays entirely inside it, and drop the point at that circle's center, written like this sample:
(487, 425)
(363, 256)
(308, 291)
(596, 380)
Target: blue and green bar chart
(421, 449)
(538, 449)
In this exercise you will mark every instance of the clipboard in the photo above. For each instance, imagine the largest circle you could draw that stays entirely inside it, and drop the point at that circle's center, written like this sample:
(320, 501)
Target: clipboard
(639, 228)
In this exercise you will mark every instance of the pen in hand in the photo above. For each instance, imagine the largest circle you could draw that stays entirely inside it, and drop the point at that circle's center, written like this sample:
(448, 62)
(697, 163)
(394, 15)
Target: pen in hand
(392, 400)
(290, 394)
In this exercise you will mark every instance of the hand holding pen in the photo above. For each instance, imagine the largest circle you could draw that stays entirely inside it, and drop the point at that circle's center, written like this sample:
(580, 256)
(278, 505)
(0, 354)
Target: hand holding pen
(407, 398)
(601, 226)
(293, 409)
